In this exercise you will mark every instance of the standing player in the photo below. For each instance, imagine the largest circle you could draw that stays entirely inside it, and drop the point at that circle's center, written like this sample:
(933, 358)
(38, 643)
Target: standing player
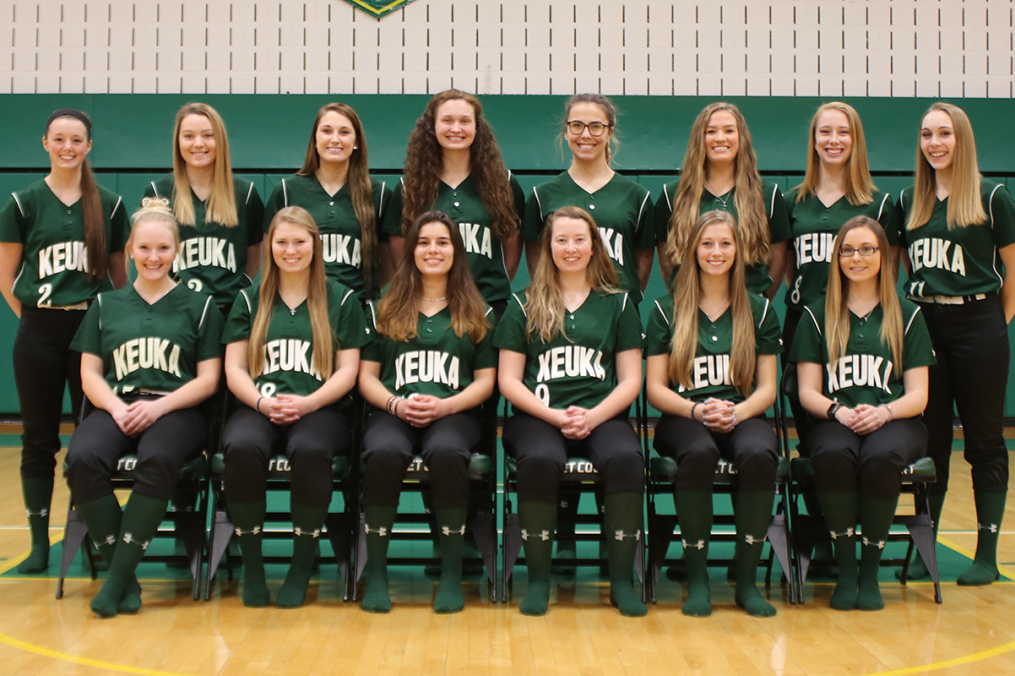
(335, 187)
(292, 358)
(863, 357)
(570, 364)
(61, 243)
(721, 172)
(219, 214)
(712, 374)
(431, 364)
(958, 229)
(621, 207)
(151, 353)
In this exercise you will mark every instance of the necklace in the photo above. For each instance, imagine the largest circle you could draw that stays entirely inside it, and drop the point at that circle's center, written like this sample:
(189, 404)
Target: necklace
(434, 300)
(719, 198)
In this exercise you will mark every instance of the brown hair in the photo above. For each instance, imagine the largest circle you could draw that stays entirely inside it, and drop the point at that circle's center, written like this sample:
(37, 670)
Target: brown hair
(397, 313)
(222, 200)
(613, 144)
(859, 185)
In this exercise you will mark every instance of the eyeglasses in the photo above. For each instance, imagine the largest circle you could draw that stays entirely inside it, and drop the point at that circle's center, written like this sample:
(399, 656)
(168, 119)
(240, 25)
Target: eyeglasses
(848, 251)
(577, 127)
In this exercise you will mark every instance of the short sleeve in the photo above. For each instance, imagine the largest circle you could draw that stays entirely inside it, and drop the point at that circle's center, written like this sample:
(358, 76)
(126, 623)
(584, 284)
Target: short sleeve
(382, 204)
(629, 326)
(149, 190)
(12, 222)
(889, 220)
(352, 327)
(768, 336)
(486, 354)
(209, 344)
(808, 341)
(255, 215)
(917, 349)
(119, 226)
(778, 218)
(1002, 216)
(511, 334)
(393, 214)
(275, 204)
(658, 334)
(532, 222)
(661, 215)
(239, 323)
(88, 339)
(646, 237)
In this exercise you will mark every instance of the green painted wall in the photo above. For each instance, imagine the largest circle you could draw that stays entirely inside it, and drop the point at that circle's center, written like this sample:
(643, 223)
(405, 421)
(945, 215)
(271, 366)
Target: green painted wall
(268, 139)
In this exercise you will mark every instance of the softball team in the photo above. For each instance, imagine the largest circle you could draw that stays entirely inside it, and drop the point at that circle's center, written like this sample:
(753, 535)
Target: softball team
(569, 346)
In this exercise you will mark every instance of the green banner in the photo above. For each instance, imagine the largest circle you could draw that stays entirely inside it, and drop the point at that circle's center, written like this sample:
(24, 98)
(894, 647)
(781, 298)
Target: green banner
(378, 8)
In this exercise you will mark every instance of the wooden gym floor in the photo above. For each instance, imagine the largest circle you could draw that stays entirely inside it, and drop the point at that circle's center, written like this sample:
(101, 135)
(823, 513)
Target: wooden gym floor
(973, 632)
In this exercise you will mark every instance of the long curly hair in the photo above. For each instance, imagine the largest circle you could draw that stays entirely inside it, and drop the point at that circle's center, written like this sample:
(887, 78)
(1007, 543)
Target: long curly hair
(687, 299)
(544, 302)
(859, 184)
(358, 180)
(222, 200)
(397, 313)
(424, 162)
(749, 199)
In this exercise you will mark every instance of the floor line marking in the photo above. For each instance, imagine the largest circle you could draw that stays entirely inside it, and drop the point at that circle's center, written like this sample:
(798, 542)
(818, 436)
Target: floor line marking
(12, 563)
(64, 657)
(958, 661)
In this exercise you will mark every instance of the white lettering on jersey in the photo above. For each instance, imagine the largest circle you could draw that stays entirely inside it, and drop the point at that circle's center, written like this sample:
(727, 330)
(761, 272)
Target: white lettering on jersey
(342, 249)
(859, 370)
(937, 253)
(290, 354)
(709, 371)
(477, 239)
(206, 252)
(426, 366)
(65, 256)
(614, 243)
(570, 361)
(814, 247)
(146, 353)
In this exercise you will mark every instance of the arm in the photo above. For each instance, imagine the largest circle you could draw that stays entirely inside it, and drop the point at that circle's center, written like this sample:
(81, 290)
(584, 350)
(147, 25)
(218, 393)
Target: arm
(423, 409)
(531, 257)
(790, 266)
(253, 260)
(909, 405)
(623, 395)
(657, 386)
(509, 378)
(396, 243)
(117, 270)
(776, 268)
(512, 254)
(809, 376)
(341, 382)
(665, 265)
(643, 261)
(98, 391)
(765, 390)
(10, 263)
(1008, 288)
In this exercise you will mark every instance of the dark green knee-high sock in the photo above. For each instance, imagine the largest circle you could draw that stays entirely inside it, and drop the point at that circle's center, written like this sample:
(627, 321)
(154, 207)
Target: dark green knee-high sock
(876, 516)
(989, 512)
(451, 531)
(623, 521)
(917, 568)
(141, 519)
(308, 521)
(753, 517)
(102, 517)
(694, 512)
(379, 521)
(248, 520)
(538, 521)
(38, 494)
(841, 516)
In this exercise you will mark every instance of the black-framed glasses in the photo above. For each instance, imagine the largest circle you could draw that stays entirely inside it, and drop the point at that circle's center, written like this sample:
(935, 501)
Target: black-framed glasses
(848, 251)
(577, 127)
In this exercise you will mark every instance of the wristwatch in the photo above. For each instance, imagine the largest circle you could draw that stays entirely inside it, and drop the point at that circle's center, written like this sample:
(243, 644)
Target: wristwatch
(832, 409)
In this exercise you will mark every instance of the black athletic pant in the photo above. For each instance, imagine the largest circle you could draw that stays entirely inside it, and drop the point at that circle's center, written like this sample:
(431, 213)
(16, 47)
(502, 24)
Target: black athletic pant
(487, 413)
(162, 450)
(751, 447)
(973, 355)
(801, 419)
(542, 450)
(43, 364)
(390, 444)
(845, 462)
(250, 440)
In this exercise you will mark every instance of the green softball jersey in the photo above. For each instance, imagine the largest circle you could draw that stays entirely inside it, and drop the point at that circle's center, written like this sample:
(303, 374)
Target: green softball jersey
(336, 219)
(436, 361)
(213, 257)
(622, 209)
(960, 261)
(150, 348)
(710, 374)
(758, 280)
(814, 227)
(289, 366)
(866, 374)
(54, 261)
(578, 367)
(465, 206)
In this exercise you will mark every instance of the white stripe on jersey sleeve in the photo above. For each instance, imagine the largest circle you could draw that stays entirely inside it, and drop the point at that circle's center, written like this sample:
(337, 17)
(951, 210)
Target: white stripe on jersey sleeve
(98, 299)
(204, 312)
(990, 203)
(346, 296)
(667, 196)
(285, 193)
(771, 201)
(380, 202)
(881, 209)
(119, 201)
(765, 313)
(18, 202)
(660, 308)
(154, 189)
(641, 211)
(535, 193)
(910, 322)
(246, 299)
(623, 304)
(520, 304)
(250, 192)
(815, 320)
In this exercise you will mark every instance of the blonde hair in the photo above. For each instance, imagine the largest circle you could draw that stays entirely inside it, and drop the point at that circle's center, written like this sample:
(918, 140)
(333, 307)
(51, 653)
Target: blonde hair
(749, 196)
(965, 206)
(324, 339)
(859, 184)
(837, 325)
(544, 302)
(153, 210)
(397, 313)
(687, 299)
(222, 200)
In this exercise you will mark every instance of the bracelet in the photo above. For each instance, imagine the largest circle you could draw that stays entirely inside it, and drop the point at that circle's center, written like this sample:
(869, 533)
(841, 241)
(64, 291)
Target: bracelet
(891, 413)
(257, 406)
(833, 409)
(694, 407)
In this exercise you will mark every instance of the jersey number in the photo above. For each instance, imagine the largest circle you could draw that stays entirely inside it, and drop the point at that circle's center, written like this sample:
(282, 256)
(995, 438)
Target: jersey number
(543, 393)
(795, 296)
(46, 290)
(194, 284)
(268, 390)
